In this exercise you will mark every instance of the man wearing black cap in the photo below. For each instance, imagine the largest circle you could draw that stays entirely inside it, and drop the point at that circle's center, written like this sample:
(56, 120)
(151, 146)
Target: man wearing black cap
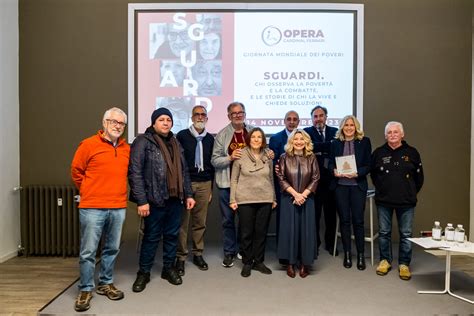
(159, 182)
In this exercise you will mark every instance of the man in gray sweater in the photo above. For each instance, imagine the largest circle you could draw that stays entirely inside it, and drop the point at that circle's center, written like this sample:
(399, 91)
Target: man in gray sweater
(228, 145)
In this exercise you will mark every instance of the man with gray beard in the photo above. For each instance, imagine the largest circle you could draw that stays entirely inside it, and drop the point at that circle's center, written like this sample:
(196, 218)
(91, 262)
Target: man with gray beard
(197, 145)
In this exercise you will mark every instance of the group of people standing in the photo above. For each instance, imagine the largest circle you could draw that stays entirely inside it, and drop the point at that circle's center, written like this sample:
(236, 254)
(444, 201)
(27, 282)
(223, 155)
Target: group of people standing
(171, 179)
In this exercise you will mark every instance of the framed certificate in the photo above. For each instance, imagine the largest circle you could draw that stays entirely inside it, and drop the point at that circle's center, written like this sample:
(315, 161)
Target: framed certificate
(346, 164)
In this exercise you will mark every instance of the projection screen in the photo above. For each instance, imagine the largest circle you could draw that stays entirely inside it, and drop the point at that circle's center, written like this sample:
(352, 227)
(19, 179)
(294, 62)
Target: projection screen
(271, 57)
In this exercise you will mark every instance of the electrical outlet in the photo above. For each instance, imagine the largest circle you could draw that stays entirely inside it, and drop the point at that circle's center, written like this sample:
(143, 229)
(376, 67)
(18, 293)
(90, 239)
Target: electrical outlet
(60, 202)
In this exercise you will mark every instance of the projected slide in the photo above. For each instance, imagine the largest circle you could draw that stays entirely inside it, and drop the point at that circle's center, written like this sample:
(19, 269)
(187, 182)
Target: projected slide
(272, 62)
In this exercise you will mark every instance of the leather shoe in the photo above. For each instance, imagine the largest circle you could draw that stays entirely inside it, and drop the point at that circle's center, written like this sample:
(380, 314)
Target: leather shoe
(304, 271)
(290, 271)
(140, 282)
(261, 267)
(347, 263)
(172, 276)
(200, 263)
(180, 267)
(246, 270)
(360, 261)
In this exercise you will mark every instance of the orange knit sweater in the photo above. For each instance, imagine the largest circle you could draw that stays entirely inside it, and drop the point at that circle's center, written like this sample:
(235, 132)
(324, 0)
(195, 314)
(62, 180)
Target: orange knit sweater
(99, 171)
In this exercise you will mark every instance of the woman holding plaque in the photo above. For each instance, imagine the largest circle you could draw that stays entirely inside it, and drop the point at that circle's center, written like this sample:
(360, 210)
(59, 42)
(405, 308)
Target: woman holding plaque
(298, 175)
(350, 161)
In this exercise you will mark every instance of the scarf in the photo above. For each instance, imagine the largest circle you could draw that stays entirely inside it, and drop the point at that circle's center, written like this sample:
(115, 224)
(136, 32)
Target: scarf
(198, 158)
(174, 171)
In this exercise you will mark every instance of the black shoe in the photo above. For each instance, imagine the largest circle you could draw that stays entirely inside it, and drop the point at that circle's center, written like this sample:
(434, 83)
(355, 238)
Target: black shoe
(283, 262)
(246, 270)
(140, 283)
(261, 267)
(347, 263)
(179, 267)
(360, 261)
(172, 276)
(331, 251)
(200, 263)
(228, 261)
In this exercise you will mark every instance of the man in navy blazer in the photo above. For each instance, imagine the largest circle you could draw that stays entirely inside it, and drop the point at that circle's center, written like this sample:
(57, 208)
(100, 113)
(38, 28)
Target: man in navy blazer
(277, 144)
(324, 201)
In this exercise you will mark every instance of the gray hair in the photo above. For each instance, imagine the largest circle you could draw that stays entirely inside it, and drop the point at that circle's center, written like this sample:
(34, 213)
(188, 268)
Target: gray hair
(199, 107)
(398, 124)
(233, 104)
(108, 113)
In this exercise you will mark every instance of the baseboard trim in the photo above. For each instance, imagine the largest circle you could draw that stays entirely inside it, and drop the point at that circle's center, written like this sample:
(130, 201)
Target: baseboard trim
(8, 256)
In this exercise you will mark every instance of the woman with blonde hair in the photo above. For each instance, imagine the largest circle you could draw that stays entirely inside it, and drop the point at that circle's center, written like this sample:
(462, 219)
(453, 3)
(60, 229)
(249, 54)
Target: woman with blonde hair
(351, 185)
(298, 175)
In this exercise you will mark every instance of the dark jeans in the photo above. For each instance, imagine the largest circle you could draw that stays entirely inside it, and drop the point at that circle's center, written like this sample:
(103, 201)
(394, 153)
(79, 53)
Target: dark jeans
(229, 230)
(350, 201)
(253, 221)
(325, 201)
(162, 221)
(405, 224)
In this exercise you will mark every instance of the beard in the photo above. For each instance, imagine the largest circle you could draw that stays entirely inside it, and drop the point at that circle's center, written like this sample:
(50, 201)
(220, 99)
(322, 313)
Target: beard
(200, 125)
(320, 126)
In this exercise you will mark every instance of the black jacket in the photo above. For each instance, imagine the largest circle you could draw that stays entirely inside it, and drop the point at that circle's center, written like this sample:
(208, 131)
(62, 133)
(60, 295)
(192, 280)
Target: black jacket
(397, 175)
(321, 150)
(147, 172)
(362, 149)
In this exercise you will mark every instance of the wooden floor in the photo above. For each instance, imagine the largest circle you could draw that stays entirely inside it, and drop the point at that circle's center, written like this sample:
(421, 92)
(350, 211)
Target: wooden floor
(27, 284)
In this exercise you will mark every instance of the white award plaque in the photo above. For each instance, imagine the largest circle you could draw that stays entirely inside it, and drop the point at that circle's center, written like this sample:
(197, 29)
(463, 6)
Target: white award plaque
(346, 164)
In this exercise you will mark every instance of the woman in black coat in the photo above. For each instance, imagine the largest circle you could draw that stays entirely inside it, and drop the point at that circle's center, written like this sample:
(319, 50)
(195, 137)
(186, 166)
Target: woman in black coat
(351, 185)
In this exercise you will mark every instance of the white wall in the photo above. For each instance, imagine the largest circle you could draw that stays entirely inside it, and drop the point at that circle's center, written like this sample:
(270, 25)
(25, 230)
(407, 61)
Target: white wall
(9, 131)
(471, 224)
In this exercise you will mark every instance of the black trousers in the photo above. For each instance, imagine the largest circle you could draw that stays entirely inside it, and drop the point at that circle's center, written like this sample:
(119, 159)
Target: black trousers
(350, 201)
(254, 219)
(325, 201)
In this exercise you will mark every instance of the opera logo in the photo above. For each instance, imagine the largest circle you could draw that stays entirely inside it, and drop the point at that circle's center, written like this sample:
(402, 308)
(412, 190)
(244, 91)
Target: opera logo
(271, 35)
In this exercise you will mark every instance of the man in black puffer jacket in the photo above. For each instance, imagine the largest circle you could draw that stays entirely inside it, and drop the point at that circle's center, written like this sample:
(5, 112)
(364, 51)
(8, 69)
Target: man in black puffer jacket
(159, 183)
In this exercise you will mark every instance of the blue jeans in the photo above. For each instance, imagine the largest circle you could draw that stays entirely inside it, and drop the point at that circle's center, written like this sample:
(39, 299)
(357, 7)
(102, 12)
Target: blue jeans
(405, 224)
(94, 222)
(228, 223)
(163, 221)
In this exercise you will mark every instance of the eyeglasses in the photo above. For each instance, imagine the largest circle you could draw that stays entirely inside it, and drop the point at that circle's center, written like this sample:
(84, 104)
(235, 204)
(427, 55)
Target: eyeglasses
(116, 123)
(236, 114)
(200, 114)
(173, 36)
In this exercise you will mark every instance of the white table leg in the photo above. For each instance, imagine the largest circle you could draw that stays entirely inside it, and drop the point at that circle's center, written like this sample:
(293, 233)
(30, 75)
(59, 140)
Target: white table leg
(447, 282)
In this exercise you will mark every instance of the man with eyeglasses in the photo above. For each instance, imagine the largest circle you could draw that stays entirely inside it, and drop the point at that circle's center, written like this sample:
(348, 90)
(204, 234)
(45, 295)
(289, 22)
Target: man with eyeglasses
(99, 171)
(197, 144)
(177, 41)
(227, 148)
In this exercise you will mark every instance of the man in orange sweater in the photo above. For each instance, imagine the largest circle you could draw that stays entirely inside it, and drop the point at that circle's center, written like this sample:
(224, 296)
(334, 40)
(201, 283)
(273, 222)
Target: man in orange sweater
(99, 171)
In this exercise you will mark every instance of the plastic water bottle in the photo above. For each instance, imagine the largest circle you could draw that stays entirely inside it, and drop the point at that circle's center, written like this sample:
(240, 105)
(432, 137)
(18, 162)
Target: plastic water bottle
(449, 232)
(436, 231)
(459, 234)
